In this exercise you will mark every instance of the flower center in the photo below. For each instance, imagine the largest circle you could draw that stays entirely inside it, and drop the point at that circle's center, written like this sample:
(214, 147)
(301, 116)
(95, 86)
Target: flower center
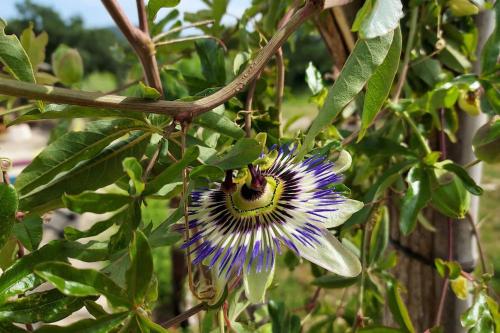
(247, 202)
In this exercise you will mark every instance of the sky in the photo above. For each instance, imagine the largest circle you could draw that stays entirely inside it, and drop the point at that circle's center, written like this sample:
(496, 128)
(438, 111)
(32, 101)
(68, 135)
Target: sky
(94, 15)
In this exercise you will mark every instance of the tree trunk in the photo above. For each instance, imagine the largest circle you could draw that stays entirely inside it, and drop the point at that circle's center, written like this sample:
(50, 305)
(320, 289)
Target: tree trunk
(417, 252)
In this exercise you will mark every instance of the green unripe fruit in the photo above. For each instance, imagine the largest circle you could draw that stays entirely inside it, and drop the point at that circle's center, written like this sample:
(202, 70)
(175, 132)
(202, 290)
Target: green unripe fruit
(8, 208)
(67, 65)
(469, 102)
(450, 198)
(486, 142)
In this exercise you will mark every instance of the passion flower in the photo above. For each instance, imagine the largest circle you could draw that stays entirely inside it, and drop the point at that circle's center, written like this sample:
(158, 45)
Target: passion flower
(240, 228)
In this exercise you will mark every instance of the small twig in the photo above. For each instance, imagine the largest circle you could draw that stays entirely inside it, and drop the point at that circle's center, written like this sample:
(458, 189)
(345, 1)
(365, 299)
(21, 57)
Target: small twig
(185, 315)
(314, 300)
(225, 309)
(191, 38)
(280, 88)
(406, 59)
(139, 40)
(143, 20)
(249, 106)
(442, 298)
(168, 130)
(482, 257)
(125, 86)
(416, 132)
(178, 29)
(472, 163)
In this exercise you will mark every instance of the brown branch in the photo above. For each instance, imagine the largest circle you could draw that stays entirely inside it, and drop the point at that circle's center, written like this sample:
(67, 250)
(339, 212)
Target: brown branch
(143, 20)
(249, 106)
(344, 27)
(139, 40)
(280, 88)
(185, 315)
(181, 110)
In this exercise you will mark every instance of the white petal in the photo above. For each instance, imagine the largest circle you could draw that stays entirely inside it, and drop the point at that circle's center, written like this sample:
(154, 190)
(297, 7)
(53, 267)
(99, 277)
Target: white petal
(256, 283)
(343, 212)
(219, 282)
(331, 255)
(343, 162)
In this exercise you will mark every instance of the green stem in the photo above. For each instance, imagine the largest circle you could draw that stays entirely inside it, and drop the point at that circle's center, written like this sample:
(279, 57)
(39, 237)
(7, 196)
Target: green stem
(416, 131)
(406, 59)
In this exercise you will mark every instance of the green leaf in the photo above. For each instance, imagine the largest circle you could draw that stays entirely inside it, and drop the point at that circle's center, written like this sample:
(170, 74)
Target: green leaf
(398, 308)
(478, 317)
(102, 170)
(469, 183)
(155, 5)
(95, 309)
(172, 173)
(244, 152)
(450, 269)
(384, 181)
(95, 202)
(219, 9)
(379, 238)
(9, 200)
(140, 272)
(46, 306)
(212, 61)
(380, 84)
(9, 203)
(147, 92)
(56, 111)
(10, 328)
(163, 235)
(103, 324)
(491, 49)
(71, 148)
(206, 171)
(72, 234)
(416, 198)
(383, 17)
(379, 329)
(313, 79)
(362, 14)
(217, 121)
(67, 65)
(450, 198)
(365, 58)
(148, 325)
(132, 217)
(29, 232)
(334, 281)
(460, 288)
(134, 170)
(14, 57)
(19, 277)
(81, 282)
(282, 320)
(486, 142)
(34, 45)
